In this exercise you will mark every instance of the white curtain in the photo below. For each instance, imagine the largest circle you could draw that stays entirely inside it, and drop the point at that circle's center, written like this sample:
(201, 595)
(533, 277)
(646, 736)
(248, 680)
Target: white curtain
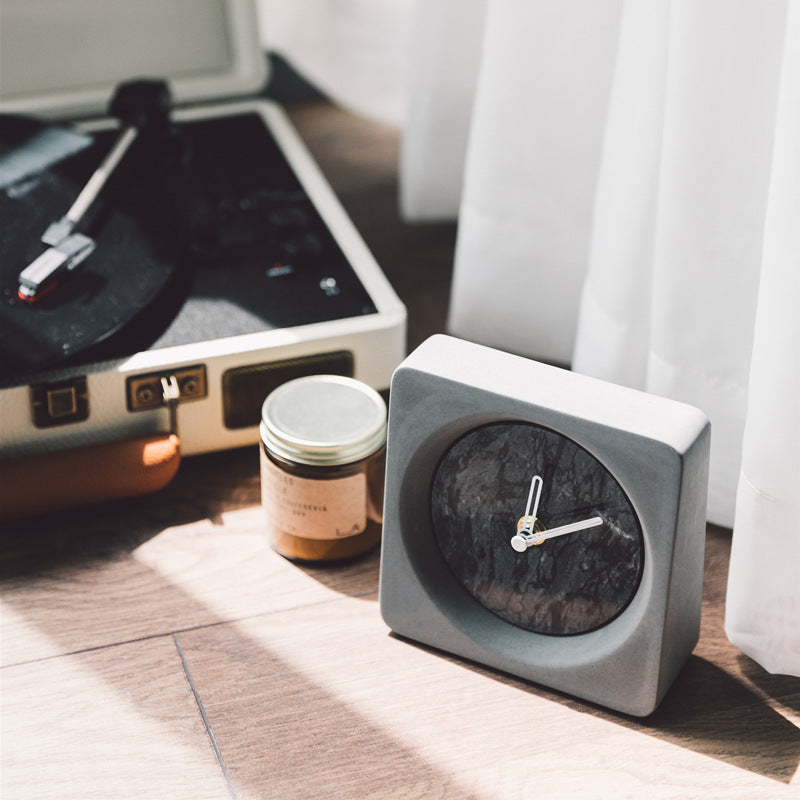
(763, 601)
(626, 177)
(697, 205)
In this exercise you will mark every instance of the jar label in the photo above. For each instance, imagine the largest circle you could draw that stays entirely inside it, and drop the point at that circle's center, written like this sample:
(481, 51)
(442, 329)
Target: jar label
(331, 508)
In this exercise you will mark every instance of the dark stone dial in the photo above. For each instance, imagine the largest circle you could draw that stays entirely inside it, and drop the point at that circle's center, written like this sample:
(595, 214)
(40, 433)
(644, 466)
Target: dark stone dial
(567, 585)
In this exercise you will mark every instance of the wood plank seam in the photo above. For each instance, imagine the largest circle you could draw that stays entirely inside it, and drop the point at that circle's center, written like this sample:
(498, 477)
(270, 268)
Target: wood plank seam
(187, 629)
(204, 716)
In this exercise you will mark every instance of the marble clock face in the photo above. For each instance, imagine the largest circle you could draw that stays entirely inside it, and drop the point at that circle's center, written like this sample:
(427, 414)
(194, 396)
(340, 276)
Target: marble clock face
(484, 491)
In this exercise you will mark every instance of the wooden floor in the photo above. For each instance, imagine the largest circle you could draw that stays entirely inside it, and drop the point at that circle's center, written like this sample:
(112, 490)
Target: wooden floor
(158, 648)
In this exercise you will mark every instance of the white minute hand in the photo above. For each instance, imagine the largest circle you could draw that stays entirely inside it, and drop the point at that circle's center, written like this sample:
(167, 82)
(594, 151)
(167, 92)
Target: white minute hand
(523, 540)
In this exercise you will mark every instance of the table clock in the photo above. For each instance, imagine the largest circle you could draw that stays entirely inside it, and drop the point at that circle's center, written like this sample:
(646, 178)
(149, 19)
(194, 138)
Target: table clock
(544, 523)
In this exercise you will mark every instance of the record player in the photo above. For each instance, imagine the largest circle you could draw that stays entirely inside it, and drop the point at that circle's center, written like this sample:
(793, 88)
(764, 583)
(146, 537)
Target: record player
(213, 263)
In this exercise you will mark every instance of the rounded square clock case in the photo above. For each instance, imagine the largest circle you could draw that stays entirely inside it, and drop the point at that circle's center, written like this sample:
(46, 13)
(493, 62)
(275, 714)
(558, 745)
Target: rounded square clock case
(469, 428)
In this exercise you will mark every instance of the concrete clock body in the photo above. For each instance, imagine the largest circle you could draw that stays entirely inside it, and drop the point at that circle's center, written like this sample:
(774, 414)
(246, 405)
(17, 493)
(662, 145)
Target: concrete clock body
(543, 523)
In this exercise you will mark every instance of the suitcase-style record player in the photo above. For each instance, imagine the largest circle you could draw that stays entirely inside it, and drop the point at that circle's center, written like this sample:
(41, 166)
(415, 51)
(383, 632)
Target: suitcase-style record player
(209, 262)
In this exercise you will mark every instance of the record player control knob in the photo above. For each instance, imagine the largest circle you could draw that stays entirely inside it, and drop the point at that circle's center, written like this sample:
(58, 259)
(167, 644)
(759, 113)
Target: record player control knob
(329, 286)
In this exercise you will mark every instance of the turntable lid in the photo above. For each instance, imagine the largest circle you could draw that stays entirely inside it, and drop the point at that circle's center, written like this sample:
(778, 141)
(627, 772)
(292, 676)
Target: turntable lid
(63, 58)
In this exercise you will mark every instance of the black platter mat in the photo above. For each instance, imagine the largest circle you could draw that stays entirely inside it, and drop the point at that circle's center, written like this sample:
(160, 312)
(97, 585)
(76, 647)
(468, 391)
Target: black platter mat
(130, 267)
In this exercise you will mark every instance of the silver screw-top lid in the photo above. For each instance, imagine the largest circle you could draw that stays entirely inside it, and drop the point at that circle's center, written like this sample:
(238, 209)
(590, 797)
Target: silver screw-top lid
(323, 419)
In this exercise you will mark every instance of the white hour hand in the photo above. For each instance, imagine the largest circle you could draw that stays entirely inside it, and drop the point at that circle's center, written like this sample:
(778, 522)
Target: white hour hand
(524, 539)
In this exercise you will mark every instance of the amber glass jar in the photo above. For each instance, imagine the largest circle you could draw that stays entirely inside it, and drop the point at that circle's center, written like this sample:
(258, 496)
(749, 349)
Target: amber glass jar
(323, 445)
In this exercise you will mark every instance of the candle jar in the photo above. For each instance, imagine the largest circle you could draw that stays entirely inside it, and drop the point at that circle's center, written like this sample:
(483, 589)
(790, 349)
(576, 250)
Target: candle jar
(323, 446)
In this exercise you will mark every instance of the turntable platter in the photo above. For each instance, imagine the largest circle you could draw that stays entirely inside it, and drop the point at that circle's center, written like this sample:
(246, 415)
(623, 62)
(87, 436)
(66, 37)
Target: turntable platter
(137, 235)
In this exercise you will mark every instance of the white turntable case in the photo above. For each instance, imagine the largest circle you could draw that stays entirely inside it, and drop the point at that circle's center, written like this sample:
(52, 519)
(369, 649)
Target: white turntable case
(208, 51)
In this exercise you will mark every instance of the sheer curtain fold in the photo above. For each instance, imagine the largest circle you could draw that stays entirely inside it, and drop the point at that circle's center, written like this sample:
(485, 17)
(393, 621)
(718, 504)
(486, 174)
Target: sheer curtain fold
(763, 600)
(534, 150)
(447, 37)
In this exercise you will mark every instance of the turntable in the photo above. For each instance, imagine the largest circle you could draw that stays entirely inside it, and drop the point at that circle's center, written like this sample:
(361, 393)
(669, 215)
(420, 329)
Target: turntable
(208, 263)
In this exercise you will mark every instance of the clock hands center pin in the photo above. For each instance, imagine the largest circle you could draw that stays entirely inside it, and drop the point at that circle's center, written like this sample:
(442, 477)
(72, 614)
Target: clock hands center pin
(530, 531)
